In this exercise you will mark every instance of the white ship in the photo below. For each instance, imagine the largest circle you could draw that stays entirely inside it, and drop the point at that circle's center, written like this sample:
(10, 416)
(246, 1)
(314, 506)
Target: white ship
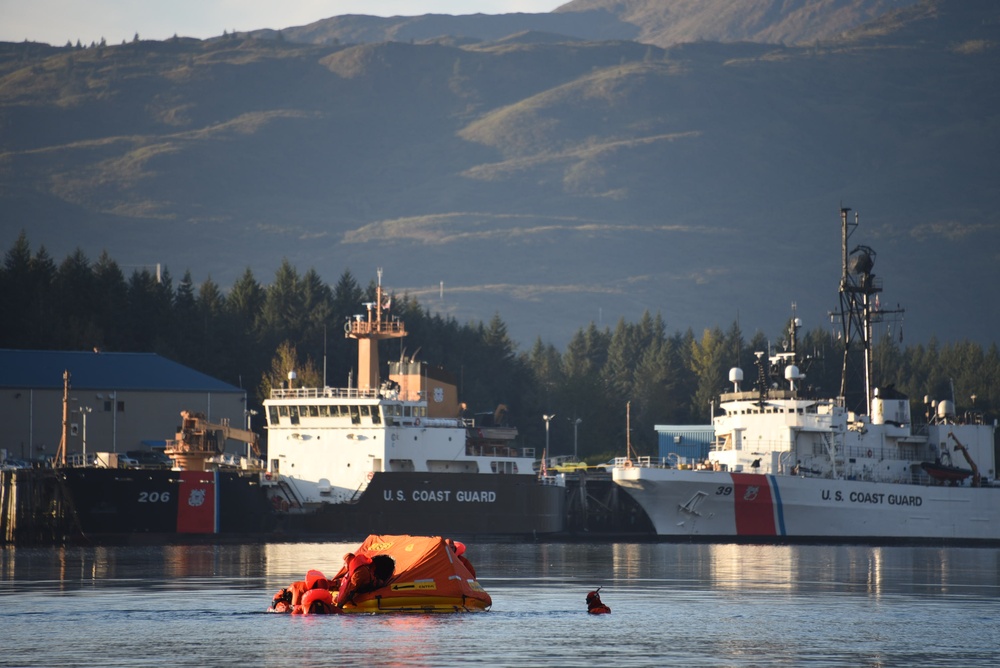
(789, 466)
(399, 456)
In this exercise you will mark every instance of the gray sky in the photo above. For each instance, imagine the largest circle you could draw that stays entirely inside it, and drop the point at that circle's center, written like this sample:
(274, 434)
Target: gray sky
(59, 21)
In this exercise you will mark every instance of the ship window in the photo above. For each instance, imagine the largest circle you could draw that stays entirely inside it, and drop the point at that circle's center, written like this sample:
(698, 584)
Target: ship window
(406, 411)
(272, 414)
(303, 411)
(283, 411)
(293, 413)
(365, 410)
(314, 411)
(324, 411)
(376, 416)
(355, 415)
(503, 467)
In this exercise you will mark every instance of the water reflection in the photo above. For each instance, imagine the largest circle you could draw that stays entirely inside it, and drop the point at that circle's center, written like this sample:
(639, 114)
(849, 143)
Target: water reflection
(871, 570)
(673, 604)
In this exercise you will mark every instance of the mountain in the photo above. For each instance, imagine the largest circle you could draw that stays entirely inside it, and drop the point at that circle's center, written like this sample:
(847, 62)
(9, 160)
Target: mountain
(659, 22)
(556, 182)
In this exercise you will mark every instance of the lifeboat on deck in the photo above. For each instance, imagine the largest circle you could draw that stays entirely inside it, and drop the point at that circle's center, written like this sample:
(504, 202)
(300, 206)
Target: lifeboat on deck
(945, 474)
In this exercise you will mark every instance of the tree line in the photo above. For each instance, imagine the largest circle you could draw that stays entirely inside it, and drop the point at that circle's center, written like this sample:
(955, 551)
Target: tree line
(620, 382)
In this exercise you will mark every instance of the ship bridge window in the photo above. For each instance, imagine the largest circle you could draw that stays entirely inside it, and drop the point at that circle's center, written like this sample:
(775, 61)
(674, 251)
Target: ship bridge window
(293, 414)
(283, 411)
(335, 411)
(355, 415)
(324, 411)
(314, 411)
(376, 415)
(503, 467)
(393, 410)
(406, 411)
(272, 414)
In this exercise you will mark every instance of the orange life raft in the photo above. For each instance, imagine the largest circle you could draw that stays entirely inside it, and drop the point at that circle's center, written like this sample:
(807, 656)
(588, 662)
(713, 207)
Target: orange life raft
(409, 574)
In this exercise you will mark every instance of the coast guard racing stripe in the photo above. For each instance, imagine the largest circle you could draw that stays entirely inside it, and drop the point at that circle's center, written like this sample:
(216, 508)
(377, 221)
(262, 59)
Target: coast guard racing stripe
(753, 505)
(197, 507)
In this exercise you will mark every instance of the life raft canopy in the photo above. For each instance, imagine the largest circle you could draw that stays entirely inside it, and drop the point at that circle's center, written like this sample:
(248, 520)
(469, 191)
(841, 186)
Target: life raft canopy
(404, 574)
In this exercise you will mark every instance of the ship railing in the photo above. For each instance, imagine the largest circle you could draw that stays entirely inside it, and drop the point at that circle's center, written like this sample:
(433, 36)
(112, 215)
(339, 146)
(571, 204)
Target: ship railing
(647, 462)
(364, 327)
(323, 393)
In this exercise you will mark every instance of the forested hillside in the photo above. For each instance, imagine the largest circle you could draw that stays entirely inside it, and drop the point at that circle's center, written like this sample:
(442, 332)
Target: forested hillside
(260, 329)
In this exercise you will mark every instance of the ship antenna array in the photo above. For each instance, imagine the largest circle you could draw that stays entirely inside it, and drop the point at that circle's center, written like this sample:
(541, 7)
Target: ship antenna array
(859, 310)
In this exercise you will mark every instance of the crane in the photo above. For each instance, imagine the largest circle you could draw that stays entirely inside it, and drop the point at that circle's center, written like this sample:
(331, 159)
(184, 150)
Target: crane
(976, 480)
(199, 440)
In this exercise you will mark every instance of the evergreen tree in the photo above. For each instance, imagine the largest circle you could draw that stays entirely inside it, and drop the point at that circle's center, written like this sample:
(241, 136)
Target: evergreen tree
(111, 305)
(708, 364)
(283, 312)
(76, 304)
(16, 291)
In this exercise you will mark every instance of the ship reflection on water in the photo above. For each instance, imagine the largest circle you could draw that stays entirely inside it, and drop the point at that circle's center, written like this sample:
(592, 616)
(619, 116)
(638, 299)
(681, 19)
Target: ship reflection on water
(673, 604)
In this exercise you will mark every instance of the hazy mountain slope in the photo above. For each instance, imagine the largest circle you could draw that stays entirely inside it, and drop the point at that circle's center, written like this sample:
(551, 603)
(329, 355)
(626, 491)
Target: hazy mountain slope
(659, 22)
(554, 183)
(666, 22)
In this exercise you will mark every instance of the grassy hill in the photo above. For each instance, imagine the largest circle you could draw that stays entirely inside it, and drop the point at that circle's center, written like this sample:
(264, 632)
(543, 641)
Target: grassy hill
(659, 22)
(556, 183)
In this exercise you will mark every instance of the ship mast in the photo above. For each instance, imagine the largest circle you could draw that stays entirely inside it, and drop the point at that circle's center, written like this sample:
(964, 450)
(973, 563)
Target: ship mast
(859, 308)
(369, 331)
(60, 459)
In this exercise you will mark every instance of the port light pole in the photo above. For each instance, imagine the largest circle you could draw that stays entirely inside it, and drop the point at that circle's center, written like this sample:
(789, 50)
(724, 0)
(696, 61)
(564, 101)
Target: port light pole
(576, 424)
(548, 421)
(83, 417)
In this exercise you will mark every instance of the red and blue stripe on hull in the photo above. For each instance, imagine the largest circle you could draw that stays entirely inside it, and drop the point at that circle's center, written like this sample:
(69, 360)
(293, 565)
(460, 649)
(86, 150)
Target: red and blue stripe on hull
(757, 505)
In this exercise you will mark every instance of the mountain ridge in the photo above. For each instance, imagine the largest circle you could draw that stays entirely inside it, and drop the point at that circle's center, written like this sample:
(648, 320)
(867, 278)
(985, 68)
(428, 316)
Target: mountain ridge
(556, 183)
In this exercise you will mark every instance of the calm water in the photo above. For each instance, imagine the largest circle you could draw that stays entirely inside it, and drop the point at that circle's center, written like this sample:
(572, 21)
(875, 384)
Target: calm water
(682, 605)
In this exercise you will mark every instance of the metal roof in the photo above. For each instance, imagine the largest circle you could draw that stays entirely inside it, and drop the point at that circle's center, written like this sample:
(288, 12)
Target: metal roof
(43, 369)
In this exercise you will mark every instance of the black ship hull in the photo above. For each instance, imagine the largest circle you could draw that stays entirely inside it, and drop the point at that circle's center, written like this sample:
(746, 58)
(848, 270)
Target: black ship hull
(119, 502)
(137, 505)
(440, 504)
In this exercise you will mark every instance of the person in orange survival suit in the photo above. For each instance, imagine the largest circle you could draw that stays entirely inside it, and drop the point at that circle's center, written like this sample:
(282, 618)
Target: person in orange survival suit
(459, 549)
(317, 599)
(290, 599)
(594, 604)
(358, 578)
